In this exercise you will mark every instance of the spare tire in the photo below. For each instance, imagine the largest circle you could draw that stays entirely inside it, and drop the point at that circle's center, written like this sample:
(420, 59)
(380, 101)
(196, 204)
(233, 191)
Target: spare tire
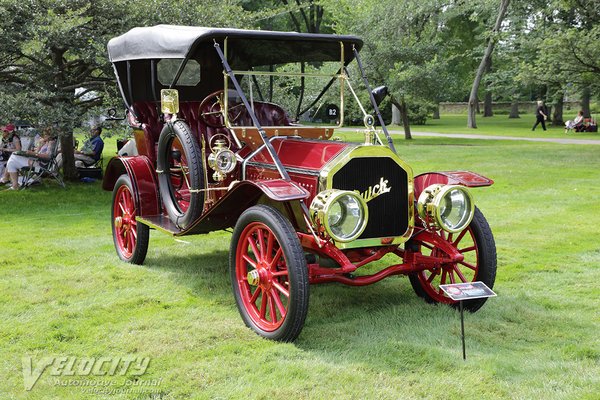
(180, 174)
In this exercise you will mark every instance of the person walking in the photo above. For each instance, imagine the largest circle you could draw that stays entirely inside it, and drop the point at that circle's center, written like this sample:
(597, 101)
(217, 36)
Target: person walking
(540, 115)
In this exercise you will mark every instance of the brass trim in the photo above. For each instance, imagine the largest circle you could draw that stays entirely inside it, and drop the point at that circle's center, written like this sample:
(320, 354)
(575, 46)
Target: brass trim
(258, 164)
(428, 206)
(294, 74)
(152, 225)
(362, 151)
(169, 101)
(321, 205)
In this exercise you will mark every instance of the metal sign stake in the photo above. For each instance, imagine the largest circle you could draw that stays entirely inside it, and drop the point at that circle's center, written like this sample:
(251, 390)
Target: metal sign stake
(462, 329)
(466, 291)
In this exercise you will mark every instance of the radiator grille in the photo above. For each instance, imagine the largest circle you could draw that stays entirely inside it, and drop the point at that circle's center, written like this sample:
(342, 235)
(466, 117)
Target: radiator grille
(388, 213)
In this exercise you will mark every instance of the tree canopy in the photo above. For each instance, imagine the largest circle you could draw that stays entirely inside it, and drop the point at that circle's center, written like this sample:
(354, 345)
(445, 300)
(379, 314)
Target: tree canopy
(54, 68)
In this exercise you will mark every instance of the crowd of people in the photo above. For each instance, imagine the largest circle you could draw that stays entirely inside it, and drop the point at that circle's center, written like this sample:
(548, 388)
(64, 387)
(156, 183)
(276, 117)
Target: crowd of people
(25, 148)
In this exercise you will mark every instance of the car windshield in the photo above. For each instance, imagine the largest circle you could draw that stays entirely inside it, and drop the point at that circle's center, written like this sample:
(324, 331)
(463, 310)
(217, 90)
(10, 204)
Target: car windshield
(308, 93)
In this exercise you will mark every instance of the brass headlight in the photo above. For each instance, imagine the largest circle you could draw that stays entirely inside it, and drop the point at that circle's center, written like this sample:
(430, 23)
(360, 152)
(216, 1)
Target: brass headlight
(449, 207)
(342, 213)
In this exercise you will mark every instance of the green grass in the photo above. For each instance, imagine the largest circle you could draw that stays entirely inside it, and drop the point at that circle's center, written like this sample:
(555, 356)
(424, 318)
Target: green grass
(499, 125)
(63, 292)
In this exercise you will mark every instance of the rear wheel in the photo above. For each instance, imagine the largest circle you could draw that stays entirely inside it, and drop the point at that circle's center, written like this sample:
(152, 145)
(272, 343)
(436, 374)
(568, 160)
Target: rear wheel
(269, 274)
(477, 245)
(130, 237)
(180, 174)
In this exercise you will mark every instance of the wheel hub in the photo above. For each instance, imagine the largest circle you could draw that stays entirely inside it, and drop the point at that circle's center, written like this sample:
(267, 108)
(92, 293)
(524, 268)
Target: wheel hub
(118, 222)
(253, 277)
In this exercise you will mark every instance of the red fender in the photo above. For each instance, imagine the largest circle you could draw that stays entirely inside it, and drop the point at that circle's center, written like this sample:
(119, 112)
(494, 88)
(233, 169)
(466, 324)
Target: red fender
(143, 179)
(463, 178)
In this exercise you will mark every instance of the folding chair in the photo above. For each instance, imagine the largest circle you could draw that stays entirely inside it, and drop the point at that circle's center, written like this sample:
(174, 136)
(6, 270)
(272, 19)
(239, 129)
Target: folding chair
(42, 168)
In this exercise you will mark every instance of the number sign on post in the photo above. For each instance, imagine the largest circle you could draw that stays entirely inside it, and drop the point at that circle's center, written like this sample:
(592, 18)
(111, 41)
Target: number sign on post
(466, 291)
(332, 111)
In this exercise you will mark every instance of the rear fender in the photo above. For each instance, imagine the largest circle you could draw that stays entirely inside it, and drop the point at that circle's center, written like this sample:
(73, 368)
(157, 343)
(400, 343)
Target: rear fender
(463, 178)
(143, 179)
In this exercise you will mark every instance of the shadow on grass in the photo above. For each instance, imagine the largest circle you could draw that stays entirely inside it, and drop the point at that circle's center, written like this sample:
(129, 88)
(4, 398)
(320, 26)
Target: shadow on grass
(376, 325)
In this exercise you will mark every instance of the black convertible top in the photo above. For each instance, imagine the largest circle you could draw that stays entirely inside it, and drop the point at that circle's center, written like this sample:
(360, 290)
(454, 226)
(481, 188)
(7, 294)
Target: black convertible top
(253, 46)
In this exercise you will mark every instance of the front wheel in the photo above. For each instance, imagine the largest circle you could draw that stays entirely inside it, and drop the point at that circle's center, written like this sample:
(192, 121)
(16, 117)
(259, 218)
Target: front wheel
(269, 274)
(130, 237)
(477, 245)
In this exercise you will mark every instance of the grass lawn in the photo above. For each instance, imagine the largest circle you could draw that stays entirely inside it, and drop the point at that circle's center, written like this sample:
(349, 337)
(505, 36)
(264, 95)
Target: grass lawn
(63, 292)
(498, 125)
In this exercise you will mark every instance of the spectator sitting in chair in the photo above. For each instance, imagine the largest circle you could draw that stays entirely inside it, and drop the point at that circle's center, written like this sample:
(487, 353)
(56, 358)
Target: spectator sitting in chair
(10, 142)
(28, 158)
(574, 123)
(91, 151)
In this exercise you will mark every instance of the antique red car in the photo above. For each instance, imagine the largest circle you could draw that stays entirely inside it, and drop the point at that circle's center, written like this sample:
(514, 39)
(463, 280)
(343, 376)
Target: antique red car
(234, 129)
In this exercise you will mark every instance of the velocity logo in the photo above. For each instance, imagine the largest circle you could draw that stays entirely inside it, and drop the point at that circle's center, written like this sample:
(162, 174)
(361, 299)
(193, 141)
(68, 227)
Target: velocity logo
(81, 366)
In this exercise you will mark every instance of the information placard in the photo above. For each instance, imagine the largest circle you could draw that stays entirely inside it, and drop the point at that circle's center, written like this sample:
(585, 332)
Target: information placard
(467, 291)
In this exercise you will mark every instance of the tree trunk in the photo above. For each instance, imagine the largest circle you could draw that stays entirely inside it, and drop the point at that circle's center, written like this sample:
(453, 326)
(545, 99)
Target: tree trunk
(401, 105)
(487, 100)
(557, 116)
(436, 111)
(471, 123)
(396, 119)
(514, 108)
(487, 105)
(585, 102)
(68, 158)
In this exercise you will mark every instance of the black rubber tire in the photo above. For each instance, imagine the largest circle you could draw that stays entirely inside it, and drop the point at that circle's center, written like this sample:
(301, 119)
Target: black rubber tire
(487, 262)
(138, 255)
(193, 157)
(297, 271)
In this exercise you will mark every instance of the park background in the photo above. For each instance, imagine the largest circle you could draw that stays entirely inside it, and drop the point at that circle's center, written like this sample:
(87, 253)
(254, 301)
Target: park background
(63, 291)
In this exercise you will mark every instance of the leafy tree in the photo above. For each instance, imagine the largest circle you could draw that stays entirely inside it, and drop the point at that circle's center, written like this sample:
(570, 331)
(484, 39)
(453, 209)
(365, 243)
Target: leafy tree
(53, 48)
(564, 41)
(53, 63)
(491, 42)
(403, 48)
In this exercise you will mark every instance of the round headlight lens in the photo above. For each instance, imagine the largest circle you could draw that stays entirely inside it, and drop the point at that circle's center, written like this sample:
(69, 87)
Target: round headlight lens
(342, 213)
(345, 217)
(455, 210)
(336, 213)
(449, 207)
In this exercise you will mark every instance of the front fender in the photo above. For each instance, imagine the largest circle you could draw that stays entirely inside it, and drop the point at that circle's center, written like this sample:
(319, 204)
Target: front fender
(143, 179)
(464, 178)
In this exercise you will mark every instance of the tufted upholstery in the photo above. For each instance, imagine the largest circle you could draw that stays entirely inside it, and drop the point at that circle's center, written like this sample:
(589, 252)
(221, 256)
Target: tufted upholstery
(268, 114)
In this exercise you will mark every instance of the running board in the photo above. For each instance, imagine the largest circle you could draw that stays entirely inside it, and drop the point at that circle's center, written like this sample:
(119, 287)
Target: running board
(160, 223)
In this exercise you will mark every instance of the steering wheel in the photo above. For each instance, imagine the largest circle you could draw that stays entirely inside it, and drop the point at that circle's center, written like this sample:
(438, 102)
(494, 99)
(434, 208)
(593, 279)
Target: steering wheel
(211, 109)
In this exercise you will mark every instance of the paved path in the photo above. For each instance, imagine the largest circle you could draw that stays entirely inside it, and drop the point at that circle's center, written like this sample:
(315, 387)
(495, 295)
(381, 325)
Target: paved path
(490, 137)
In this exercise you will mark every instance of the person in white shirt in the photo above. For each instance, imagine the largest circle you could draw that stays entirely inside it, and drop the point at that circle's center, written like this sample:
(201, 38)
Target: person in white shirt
(572, 124)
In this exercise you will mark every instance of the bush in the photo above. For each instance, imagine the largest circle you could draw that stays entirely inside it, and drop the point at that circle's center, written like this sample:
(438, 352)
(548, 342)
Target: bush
(419, 111)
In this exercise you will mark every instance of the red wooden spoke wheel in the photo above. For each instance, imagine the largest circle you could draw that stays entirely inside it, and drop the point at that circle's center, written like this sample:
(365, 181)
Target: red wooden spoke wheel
(476, 244)
(130, 237)
(269, 274)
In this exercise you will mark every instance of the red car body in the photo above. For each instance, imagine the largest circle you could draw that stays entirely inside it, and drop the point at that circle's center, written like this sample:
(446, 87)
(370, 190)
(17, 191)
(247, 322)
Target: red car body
(280, 244)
